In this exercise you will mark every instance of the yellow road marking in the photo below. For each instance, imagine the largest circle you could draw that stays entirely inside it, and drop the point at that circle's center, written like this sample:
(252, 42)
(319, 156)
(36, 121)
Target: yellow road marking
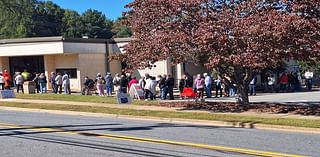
(155, 141)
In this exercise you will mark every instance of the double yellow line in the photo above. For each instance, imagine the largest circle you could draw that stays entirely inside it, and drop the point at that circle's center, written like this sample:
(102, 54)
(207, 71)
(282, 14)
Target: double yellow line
(155, 141)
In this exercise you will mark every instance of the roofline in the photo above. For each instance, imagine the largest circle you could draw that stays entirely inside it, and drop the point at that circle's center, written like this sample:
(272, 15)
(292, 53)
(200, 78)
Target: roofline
(60, 38)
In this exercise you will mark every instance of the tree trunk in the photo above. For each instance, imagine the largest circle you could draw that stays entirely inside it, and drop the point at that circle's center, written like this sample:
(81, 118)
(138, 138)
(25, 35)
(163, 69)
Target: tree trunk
(243, 91)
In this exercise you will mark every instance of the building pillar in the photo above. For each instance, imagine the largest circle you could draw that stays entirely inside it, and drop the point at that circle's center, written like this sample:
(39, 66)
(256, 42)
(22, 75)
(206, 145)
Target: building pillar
(4, 63)
(49, 66)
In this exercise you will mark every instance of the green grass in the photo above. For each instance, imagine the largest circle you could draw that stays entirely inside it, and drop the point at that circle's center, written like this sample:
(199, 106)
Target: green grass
(310, 123)
(79, 98)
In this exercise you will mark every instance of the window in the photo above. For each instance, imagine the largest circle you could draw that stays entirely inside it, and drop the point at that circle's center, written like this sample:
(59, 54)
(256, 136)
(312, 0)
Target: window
(72, 72)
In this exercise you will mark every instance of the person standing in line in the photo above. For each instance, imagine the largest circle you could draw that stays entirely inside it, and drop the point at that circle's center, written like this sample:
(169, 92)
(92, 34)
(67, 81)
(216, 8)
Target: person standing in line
(52, 81)
(208, 84)
(182, 84)
(154, 84)
(148, 89)
(252, 86)
(116, 83)
(218, 85)
(133, 81)
(7, 79)
(19, 82)
(58, 81)
(271, 82)
(170, 85)
(109, 84)
(36, 81)
(284, 82)
(1, 81)
(100, 83)
(163, 87)
(200, 85)
(26, 75)
(66, 83)
(123, 84)
(308, 75)
(43, 83)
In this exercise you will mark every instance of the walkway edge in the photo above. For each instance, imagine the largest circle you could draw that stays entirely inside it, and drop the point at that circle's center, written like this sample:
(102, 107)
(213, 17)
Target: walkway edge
(175, 120)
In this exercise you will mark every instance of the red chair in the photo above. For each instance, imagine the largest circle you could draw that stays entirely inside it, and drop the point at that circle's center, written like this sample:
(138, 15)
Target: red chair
(188, 93)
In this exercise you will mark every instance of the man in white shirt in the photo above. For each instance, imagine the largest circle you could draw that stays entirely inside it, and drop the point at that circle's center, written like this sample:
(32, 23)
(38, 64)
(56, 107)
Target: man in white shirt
(208, 84)
(308, 75)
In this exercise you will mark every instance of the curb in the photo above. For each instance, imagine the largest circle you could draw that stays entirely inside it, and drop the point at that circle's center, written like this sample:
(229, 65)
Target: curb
(175, 120)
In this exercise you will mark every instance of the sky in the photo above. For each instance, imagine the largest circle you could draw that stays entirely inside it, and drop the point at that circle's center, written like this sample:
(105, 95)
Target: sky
(111, 8)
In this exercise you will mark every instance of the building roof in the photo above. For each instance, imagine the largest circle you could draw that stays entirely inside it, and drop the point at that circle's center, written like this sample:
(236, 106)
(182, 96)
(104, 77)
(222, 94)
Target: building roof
(60, 38)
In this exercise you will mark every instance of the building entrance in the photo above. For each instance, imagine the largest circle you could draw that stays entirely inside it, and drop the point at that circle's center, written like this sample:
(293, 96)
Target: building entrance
(31, 63)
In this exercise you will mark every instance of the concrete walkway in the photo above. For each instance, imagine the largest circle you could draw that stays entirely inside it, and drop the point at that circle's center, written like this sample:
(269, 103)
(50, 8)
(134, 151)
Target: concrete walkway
(301, 97)
(154, 108)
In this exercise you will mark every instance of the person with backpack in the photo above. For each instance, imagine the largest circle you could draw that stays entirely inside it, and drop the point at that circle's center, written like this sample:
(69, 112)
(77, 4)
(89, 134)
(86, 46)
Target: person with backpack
(109, 84)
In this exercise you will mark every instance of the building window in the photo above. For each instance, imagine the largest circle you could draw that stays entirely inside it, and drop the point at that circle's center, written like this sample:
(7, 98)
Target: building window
(71, 72)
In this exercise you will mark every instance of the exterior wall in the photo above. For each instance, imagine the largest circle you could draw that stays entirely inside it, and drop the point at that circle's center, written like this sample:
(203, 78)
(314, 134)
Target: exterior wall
(4, 63)
(160, 69)
(90, 65)
(31, 49)
(82, 48)
(68, 61)
(49, 66)
(193, 69)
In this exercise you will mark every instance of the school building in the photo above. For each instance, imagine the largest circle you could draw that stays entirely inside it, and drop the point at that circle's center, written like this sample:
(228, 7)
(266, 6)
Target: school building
(79, 57)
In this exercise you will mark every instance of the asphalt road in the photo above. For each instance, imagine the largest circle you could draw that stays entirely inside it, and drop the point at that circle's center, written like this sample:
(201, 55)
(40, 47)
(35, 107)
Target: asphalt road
(26, 134)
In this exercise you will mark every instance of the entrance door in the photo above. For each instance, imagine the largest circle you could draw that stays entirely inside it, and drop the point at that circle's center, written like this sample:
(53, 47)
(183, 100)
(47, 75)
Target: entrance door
(31, 63)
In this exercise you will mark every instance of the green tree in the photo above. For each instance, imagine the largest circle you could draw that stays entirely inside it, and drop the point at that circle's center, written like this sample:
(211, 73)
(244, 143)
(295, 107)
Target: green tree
(71, 24)
(96, 25)
(47, 18)
(120, 29)
(16, 18)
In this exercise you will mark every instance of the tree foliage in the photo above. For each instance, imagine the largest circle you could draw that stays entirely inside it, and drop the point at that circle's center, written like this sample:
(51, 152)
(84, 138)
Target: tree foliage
(35, 18)
(236, 38)
(120, 29)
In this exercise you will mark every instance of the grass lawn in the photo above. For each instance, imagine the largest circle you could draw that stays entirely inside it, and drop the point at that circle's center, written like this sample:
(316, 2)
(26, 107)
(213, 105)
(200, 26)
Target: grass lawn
(310, 123)
(79, 98)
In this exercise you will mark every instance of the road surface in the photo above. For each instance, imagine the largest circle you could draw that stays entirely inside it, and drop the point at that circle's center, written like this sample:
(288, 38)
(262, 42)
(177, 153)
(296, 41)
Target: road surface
(33, 134)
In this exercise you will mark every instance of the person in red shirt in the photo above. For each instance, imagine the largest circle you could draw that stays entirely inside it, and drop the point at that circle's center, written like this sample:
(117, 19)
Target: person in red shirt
(7, 79)
(284, 80)
(133, 81)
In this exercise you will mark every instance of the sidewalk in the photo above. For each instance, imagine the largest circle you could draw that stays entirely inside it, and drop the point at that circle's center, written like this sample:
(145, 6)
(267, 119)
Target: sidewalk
(154, 108)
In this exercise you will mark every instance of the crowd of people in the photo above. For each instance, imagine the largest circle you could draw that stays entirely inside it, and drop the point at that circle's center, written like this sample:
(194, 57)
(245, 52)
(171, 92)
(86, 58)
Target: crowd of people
(57, 81)
(201, 84)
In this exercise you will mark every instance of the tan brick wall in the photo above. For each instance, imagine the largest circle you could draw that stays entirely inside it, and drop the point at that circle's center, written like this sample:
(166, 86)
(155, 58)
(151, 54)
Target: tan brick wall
(90, 65)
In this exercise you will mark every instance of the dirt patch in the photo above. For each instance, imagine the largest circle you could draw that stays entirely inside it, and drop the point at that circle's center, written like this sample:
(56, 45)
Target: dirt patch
(277, 108)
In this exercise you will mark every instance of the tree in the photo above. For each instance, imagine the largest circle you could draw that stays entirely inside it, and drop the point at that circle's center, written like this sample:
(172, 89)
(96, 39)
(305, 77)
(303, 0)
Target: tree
(120, 29)
(16, 18)
(236, 38)
(96, 25)
(47, 19)
(71, 24)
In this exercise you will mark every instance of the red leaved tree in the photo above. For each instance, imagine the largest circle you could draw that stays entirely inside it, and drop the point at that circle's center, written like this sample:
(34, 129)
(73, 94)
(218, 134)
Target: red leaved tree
(234, 37)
